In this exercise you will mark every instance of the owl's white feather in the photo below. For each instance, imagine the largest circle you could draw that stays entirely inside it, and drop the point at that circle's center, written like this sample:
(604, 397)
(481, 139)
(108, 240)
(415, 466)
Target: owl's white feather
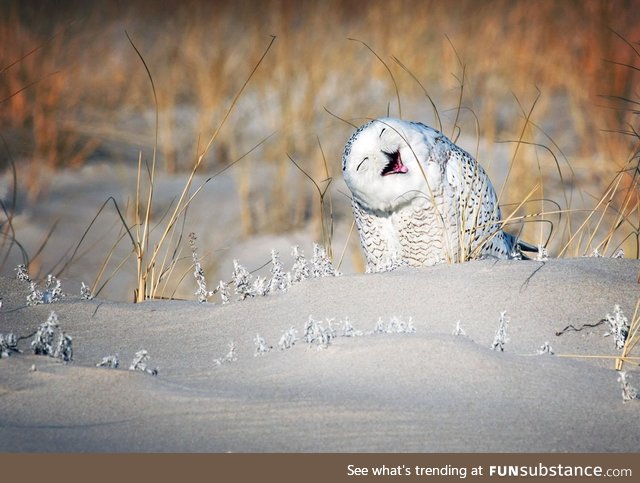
(419, 199)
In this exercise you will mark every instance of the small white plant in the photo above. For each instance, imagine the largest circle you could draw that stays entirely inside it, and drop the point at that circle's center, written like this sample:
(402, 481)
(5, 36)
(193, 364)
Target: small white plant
(316, 332)
(542, 255)
(64, 349)
(310, 330)
(618, 254)
(300, 269)
(288, 339)
(52, 292)
(201, 293)
(459, 330)
(618, 326)
(545, 349)
(596, 253)
(629, 393)
(242, 281)
(260, 287)
(348, 330)
(501, 337)
(320, 263)
(85, 292)
(279, 282)
(8, 344)
(22, 274)
(42, 343)
(261, 346)
(35, 296)
(327, 334)
(139, 363)
(230, 357)
(223, 290)
(395, 326)
(110, 361)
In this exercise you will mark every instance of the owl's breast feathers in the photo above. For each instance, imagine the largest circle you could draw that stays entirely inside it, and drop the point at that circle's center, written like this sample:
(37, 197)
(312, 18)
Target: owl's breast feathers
(419, 233)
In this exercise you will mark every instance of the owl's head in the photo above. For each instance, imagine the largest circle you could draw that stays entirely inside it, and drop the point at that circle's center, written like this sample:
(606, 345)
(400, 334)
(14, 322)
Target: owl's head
(386, 164)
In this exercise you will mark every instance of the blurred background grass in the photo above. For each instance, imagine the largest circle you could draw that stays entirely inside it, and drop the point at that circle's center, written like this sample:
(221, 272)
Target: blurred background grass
(73, 91)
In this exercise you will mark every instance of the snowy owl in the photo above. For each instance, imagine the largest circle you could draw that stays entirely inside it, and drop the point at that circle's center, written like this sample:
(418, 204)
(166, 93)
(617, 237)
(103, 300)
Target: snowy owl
(419, 199)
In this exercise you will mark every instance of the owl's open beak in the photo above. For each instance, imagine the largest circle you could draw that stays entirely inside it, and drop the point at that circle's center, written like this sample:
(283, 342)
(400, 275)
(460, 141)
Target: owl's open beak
(395, 165)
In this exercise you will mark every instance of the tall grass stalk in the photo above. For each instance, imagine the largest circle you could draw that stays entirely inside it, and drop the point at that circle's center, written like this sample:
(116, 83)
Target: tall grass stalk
(149, 272)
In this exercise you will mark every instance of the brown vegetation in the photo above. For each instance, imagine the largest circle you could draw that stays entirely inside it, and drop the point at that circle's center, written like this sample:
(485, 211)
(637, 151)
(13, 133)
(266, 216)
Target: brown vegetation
(556, 80)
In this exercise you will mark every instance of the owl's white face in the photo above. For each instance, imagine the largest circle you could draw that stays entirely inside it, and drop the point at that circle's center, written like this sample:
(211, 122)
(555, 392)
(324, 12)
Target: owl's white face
(386, 163)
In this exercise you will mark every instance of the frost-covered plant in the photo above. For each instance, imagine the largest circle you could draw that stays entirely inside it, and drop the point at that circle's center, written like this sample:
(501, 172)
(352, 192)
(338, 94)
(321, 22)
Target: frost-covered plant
(64, 349)
(501, 337)
(201, 293)
(288, 279)
(261, 346)
(110, 361)
(42, 343)
(52, 292)
(543, 254)
(85, 292)
(315, 332)
(348, 330)
(629, 393)
(380, 327)
(230, 357)
(320, 263)
(618, 326)
(288, 339)
(618, 254)
(223, 290)
(8, 344)
(260, 287)
(139, 363)
(22, 274)
(326, 334)
(242, 281)
(459, 330)
(395, 326)
(309, 331)
(35, 296)
(300, 268)
(279, 282)
(545, 349)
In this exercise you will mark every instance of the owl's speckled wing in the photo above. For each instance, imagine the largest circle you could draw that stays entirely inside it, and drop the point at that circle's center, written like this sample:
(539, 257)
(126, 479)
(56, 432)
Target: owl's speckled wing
(419, 199)
(479, 216)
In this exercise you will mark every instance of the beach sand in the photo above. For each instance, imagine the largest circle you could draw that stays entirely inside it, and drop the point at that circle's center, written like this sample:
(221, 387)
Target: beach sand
(422, 391)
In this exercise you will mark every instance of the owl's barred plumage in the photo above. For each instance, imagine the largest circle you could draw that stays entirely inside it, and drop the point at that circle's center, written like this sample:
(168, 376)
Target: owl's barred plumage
(419, 199)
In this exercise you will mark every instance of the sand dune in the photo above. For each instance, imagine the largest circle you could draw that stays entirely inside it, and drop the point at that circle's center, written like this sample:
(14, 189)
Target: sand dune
(422, 391)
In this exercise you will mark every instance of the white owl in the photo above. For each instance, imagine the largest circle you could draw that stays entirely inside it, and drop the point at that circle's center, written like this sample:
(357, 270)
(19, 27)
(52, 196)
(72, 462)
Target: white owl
(419, 199)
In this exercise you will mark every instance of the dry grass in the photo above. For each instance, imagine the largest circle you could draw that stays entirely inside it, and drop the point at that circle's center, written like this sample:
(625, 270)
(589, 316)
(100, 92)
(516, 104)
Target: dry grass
(73, 98)
(548, 81)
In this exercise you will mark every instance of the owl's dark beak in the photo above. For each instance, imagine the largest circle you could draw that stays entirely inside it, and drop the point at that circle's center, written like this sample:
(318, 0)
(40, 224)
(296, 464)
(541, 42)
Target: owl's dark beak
(395, 165)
